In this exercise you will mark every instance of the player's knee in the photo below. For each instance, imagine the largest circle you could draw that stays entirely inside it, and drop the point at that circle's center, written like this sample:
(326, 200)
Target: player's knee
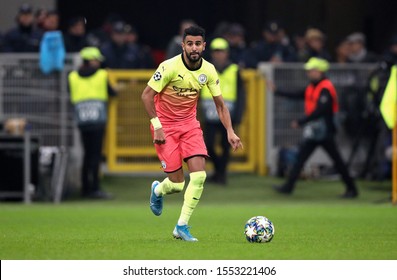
(198, 178)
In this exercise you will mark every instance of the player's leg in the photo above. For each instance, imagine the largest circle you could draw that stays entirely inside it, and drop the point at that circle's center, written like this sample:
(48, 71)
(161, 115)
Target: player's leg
(192, 197)
(194, 189)
(171, 162)
(174, 183)
(194, 152)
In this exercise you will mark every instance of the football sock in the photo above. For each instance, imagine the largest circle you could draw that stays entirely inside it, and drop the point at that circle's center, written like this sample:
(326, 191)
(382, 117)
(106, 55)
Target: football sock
(168, 187)
(192, 196)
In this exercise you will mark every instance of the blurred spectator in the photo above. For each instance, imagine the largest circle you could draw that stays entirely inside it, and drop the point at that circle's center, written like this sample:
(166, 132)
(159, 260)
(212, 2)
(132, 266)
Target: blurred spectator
(24, 37)
(118, 54)
(51, 21)
(342, 51)
(270, 47)
(235, 36)
(373, 131)
(299, 45)
(174, 46)
(144, 52)
(75, 37)
(39, 18)
(131, 35)
(283, 36)
(220, 30)
(315, 45)
(358, 50)
(99, 36)
(390, 55)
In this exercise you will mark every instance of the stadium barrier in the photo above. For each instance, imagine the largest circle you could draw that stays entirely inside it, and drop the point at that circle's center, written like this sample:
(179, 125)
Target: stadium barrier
(42, 100)
(129, 146)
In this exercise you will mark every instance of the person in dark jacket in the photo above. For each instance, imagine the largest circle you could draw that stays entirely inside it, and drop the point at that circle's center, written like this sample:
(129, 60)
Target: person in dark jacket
(118, 53)
(234, 95)
(89, 90)
(270, 48)
(321, 104)
(75, 37)
(24, 37)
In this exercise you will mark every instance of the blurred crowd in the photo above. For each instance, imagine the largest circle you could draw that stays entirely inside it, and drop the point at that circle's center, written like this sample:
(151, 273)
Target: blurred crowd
(119, 41)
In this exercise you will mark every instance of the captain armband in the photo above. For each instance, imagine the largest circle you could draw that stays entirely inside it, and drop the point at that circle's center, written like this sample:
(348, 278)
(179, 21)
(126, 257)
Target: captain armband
(156, 123)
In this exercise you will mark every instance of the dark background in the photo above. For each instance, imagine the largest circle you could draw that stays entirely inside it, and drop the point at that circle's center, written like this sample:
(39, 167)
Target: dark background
(157, 21)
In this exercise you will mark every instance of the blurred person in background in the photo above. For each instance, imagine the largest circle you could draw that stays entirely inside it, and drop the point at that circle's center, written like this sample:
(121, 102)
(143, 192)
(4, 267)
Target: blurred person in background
(372, 126)
(270, 48)
(358, 50)
(235, 36)
(39, 17)
(299, 45)
(315, 45)
(24, 37)
(51, 21)
(174, 46)
(117, 52)
(144, 52)
(75, 36)
(89, 92)
(101, 35)
(233, 93)
(390, 54)
(342, 52)
(321, 105)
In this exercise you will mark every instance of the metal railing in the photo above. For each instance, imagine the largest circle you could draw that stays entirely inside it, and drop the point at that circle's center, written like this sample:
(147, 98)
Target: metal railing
(43, 101)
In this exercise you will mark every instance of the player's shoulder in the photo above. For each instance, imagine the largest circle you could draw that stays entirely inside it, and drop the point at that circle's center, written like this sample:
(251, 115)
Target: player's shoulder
(172, 61)
(208, 66)
(170, 65)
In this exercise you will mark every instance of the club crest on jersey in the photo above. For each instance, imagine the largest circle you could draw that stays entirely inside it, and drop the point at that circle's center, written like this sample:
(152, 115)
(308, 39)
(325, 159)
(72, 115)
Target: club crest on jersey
(202, 79)
(157, 76)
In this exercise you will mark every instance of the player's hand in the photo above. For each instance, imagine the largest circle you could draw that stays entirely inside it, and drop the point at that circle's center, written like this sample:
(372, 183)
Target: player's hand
(235, 142)
(159, 137)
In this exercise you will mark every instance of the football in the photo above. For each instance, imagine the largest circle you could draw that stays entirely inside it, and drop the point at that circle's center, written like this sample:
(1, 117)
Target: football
(259, 229)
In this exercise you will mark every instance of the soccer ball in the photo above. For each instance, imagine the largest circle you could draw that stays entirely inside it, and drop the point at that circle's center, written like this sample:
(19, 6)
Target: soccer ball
(259, 229)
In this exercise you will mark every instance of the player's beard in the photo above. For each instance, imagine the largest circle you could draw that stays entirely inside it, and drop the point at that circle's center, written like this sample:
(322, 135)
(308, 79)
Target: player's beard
(194, 59)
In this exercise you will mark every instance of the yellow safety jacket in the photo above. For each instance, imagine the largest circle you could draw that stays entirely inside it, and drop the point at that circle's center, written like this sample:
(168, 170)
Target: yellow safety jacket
(89, 96)
(229, 87)
(93, 87)
(228, 83)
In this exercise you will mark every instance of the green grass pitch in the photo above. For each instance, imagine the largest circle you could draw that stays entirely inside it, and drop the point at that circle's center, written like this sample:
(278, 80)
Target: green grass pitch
(311, 224)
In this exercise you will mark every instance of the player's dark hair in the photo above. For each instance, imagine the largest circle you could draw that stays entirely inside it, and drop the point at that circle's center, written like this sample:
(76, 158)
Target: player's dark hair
(194, 30)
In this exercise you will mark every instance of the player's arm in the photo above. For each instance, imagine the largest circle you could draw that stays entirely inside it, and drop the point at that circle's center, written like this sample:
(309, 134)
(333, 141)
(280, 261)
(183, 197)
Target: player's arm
(148, 102)
(224, 116)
